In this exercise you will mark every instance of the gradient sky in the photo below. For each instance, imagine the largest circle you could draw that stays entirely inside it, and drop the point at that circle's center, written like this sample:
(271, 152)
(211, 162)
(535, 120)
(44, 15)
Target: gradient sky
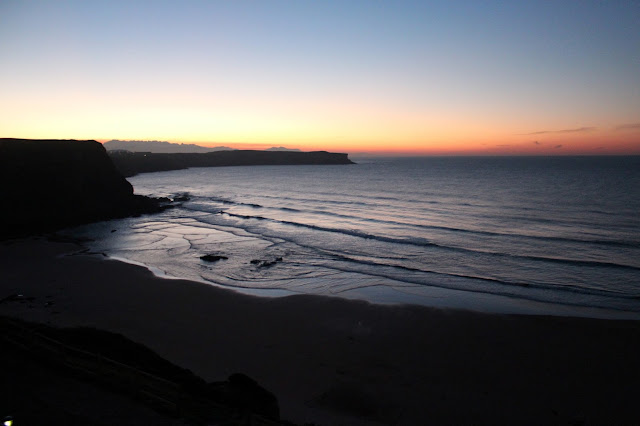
(431, 77)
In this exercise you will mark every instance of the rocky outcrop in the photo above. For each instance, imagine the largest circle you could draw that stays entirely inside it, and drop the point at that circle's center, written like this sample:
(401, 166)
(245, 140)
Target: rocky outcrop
(111, 361)
(51, 184)
(246, 395)
(213, 257)
(132, 163)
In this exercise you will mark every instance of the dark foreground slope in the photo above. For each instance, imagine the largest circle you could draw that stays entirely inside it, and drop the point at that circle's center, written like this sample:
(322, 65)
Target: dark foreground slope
(86, 376)
(50, 184)
(132, 163)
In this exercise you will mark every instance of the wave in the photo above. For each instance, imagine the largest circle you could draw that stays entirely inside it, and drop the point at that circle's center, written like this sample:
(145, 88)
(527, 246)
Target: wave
(378, 267)
(416, 200)
(228, 201)
(422, 242)
(539, 286)
(600, 242)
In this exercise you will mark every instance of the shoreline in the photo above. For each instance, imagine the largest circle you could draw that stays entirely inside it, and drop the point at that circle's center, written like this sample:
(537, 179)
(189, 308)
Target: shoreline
(425, 296)
(337, 361)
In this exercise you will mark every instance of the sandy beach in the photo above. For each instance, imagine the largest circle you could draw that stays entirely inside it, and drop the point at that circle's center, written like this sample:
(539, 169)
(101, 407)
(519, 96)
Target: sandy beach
(332, 361)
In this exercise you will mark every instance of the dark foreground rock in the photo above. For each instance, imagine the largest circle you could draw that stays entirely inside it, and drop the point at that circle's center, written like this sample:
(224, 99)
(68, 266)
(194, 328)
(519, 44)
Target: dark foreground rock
(50, 370)
(132, 163)
(245, 394)
(51, 184)
(213, 257)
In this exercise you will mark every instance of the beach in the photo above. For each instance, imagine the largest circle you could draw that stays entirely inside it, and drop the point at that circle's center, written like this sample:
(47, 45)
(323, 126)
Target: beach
(333, 361)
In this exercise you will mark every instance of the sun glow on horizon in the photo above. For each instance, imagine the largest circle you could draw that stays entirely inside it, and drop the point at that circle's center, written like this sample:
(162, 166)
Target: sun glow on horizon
(414, 79)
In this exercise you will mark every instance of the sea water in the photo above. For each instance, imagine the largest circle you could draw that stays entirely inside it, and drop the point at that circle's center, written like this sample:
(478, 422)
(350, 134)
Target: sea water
(532, 234)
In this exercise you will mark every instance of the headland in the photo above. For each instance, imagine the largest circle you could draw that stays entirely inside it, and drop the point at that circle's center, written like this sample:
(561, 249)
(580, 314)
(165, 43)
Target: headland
(132, 163)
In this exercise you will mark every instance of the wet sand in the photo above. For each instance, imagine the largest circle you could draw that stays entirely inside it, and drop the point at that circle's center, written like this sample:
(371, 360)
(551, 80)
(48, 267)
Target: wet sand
(333, 361)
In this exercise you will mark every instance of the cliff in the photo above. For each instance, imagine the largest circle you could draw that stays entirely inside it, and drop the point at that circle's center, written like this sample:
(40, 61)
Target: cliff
(132, 163)
(51, 184)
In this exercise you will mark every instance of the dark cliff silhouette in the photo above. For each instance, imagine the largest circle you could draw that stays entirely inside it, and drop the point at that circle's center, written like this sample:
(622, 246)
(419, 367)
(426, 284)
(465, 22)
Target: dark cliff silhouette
(132, 163)
(51, 184)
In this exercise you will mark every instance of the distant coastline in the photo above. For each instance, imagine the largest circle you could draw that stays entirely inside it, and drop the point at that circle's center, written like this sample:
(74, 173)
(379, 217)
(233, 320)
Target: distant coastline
(164, 147)
(160, 147)
(132, 163)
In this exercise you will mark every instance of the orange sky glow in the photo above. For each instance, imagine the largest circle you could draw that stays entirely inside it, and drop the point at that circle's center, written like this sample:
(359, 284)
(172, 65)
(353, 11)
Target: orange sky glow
(418, 78)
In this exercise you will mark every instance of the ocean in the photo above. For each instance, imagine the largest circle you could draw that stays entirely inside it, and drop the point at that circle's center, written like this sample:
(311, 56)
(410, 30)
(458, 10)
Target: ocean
(540, 235)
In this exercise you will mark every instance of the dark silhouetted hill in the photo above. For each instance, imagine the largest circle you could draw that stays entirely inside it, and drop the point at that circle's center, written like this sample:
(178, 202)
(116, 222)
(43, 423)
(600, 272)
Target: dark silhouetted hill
(132, 163)
(51, 184)
(160, 147)
(49, 368)
(282, 148)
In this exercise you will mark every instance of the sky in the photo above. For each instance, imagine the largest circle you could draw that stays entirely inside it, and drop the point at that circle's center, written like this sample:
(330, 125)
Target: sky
(391, 77)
